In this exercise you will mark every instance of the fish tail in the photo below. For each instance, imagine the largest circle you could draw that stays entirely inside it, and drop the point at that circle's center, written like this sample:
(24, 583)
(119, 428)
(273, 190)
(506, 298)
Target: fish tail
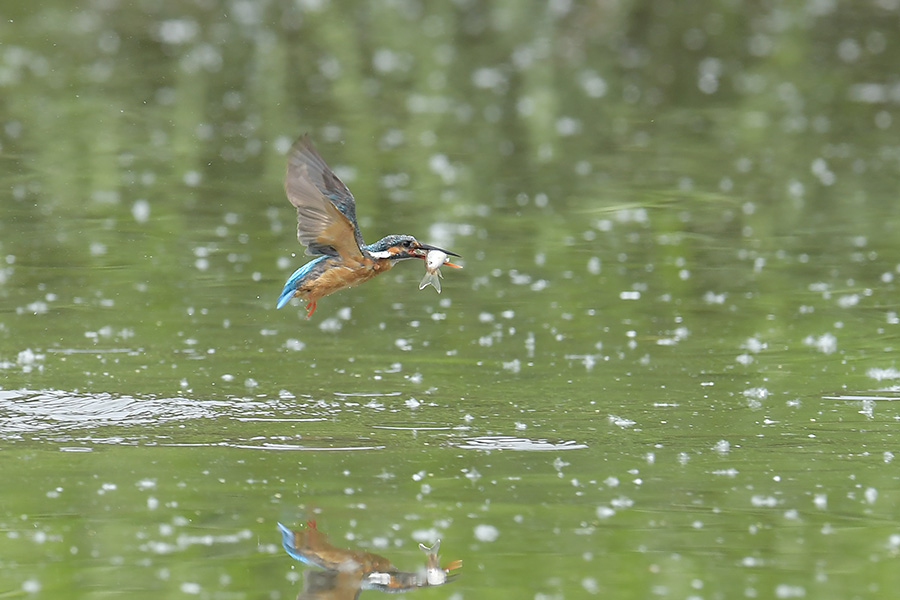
(431, 279)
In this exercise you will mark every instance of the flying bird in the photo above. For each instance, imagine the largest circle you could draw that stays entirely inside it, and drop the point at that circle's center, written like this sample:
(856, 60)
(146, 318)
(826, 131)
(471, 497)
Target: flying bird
(326, 225)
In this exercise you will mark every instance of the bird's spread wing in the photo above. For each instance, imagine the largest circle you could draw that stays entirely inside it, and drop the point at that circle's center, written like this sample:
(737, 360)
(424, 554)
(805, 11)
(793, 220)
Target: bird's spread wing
(326, 211)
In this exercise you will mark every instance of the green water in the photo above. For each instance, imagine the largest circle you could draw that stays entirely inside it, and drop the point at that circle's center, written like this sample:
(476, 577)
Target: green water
(668, 369)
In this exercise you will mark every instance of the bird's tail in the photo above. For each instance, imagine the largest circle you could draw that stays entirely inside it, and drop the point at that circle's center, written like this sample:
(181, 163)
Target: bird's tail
(286, 294)
(295, 281)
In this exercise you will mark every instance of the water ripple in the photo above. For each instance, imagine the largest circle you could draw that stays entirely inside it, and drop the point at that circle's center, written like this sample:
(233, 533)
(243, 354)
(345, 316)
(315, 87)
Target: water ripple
(505, 442)
(30, 411)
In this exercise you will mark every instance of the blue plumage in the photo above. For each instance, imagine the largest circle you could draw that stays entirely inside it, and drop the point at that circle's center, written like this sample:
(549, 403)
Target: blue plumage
(287, 540)
(293, 282)
(326, 225)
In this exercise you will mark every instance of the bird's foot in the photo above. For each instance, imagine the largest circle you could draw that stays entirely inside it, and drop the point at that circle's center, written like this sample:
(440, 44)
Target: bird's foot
(311, 307)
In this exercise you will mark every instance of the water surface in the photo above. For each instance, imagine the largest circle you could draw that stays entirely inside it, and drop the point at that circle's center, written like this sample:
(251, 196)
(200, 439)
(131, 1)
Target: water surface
(667, 370)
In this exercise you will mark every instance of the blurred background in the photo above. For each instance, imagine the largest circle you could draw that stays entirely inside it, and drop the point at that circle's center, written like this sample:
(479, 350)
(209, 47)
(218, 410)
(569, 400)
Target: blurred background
(668, 369)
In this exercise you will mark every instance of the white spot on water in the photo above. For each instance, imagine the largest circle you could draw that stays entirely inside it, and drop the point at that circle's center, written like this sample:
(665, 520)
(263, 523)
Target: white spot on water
(622, 502)
(140, 210)
(513, 366)
(726, 472)
(440, 165)
(331, 325)
(294, 344)
(825, 343)
(189, 587)
(593, 84)
(755, 396)
(848, 301)
(871, 495)
(567, 126)
(605, 512)
(28, 357)
(192, 178)
(590, 585)
(868, 408)
(882, 374)
(106, 487)
(489, 78)
(819, 168)
(754, 345)
(744, 359)
(177, 31)
(784, 590)
(763, 501)
(486, 533)
(386, 60)
(621, 421)
(713, 298)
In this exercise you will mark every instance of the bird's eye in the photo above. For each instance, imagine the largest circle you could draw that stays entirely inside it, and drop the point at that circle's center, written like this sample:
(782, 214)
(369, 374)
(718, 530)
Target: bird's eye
(407, 243)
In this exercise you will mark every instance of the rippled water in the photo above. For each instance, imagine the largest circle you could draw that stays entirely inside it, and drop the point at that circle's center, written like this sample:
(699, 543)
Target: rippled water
(667, 370)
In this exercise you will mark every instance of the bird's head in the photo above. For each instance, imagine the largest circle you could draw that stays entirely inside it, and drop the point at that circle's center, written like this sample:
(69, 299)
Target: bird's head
(399, 247)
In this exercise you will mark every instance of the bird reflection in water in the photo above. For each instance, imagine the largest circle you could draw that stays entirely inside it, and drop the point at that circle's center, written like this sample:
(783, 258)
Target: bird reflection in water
(347, 572)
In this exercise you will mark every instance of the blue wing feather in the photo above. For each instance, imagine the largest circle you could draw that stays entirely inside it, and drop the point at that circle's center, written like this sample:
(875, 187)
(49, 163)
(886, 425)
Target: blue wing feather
(287, 540)
(295, 280)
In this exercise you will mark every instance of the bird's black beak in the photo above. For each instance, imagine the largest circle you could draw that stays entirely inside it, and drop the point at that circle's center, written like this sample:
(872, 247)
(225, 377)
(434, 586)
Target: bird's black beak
(427, 247)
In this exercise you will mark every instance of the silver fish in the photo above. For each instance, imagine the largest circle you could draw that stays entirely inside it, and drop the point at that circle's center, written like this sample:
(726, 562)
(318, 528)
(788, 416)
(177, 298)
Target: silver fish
(434, 573)
(433, 262)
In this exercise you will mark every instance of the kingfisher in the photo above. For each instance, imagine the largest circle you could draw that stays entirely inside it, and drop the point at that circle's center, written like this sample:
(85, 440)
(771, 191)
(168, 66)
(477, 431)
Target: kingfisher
(327, 227)
(347, 571)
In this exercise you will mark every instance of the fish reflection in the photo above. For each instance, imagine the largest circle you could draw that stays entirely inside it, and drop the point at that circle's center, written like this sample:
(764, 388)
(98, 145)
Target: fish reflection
(347, 572)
